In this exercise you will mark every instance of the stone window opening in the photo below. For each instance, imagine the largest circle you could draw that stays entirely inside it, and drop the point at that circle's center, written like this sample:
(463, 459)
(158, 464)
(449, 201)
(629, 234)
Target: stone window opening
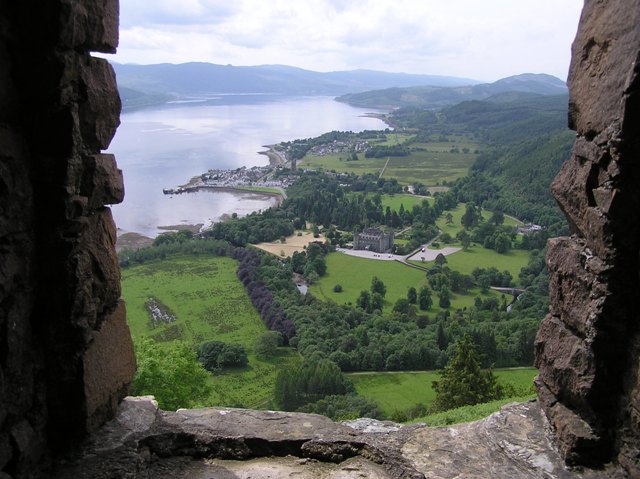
(66, 356)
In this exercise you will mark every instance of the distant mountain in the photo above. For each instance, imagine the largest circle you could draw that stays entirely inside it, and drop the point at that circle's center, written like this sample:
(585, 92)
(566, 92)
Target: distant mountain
(438, 97)
(141, 83)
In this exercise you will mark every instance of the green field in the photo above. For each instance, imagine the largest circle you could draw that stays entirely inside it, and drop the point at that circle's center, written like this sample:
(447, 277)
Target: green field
(456, 225)
(209, 303)
(407, 200)
(469, 413)
(354, 275)
(404, 390)
(430, 166)
(337, 162)
(261, 189)
(430, 163)
(478, 257)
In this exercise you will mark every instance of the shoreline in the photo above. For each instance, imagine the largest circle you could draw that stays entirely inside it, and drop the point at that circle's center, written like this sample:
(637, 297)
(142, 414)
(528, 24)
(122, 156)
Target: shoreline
(231, 189)
(135, 240)
(275, 158)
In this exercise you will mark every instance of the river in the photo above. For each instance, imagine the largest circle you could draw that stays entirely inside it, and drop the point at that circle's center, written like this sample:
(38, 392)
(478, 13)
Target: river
(163, 147)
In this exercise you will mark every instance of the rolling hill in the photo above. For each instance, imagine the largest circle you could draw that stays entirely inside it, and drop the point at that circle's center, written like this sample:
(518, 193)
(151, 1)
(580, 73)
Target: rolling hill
(138, 83)
(433, 97)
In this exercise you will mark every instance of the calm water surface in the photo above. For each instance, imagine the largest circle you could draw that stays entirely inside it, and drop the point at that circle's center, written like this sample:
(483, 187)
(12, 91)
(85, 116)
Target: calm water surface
(164, 147)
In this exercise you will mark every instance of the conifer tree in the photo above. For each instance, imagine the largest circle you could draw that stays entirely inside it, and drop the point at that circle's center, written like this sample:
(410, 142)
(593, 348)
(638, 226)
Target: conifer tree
(462, 382)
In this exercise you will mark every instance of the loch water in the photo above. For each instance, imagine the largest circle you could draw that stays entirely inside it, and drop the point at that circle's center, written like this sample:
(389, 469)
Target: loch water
(163, 147)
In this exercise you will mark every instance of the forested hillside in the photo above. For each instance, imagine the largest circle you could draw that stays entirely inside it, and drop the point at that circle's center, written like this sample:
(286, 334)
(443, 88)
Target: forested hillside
(433, 97)
(526, 139)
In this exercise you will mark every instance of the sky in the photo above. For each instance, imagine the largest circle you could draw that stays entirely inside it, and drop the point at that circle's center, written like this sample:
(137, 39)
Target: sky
(479, 39)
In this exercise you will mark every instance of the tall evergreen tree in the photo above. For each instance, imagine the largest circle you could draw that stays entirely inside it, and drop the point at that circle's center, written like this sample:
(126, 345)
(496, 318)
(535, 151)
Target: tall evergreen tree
(462, 382)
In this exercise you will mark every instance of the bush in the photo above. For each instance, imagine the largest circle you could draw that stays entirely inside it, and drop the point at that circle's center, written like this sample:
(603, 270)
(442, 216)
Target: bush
(337, 288)
(310, 382)
(267, 344)
(343, 407)
(216, 355)
(171, 373)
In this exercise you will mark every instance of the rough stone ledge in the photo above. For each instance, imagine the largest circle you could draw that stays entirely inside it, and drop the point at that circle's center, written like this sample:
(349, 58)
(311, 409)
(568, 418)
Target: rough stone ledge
(143, 441)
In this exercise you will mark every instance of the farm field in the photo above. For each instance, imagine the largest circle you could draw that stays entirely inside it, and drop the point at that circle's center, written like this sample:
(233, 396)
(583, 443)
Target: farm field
(209, 303)
(354, 275)
(292, 244)
(429, 167)
(431, 163)
(337, 162)
(403, 390)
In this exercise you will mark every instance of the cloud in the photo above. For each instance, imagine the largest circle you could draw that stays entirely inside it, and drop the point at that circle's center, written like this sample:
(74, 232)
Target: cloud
(484, 40)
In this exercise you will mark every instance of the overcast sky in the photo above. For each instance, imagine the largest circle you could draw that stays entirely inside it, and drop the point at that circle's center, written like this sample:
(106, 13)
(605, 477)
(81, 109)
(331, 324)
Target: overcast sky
(479, 39)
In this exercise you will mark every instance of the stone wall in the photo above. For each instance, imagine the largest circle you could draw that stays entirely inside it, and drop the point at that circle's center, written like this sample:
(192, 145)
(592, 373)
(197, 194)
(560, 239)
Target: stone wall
(588, 346)
(66, 355)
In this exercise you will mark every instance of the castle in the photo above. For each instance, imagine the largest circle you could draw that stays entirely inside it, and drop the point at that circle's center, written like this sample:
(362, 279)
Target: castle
(373, 239)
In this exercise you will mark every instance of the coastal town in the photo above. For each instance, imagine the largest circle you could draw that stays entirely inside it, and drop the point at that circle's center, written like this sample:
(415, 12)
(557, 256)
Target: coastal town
(262, 176)
(240, 178)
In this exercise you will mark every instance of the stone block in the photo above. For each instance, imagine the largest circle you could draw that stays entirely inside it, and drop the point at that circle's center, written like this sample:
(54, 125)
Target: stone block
(108, 366)
(575, 438)
(576, 287)
(603, 63)
(90, 25)
(103, 183)
(584, 193)
(570, 187)
(577, 441)
(96, 270)
(99, 110)
(566, 364)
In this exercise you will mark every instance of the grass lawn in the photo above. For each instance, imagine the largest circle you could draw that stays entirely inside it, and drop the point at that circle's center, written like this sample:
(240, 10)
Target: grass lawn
(209, 303)
(456, 225)
(394, 201)
(354, 275)
(469, 413)
(479, 257)
(261, 189)
(403, 390)
(396, 391)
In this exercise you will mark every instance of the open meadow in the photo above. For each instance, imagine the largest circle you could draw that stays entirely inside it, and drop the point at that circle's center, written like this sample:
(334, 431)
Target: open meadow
(403, 390)
(431, 163)
(355, 274)
(406, 200)
(478, 257)
(455, 226)
(208, 302)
